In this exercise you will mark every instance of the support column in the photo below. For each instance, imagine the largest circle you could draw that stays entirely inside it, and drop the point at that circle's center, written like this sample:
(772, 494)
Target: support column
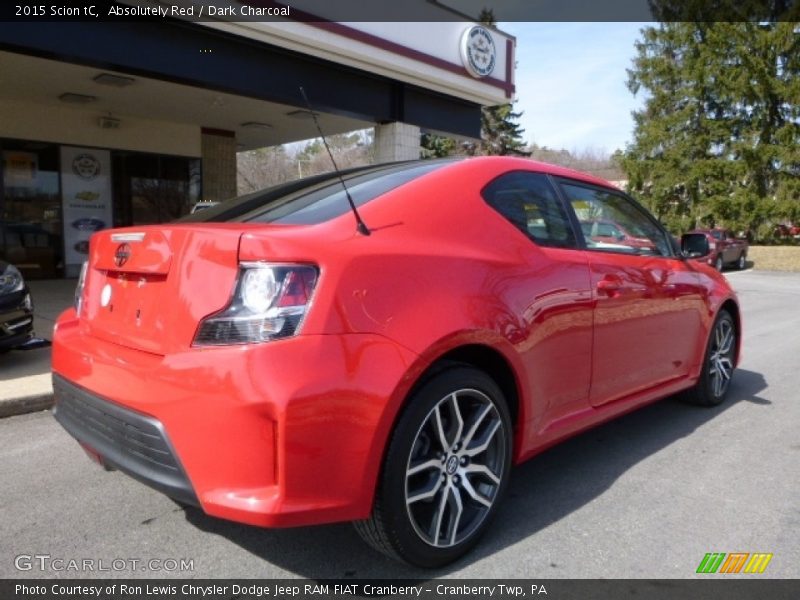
(396, 141)
(218, 153)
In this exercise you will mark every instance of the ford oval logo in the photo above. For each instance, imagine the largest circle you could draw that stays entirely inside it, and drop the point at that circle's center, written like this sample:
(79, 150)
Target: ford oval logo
(88, 224)
(122, 254)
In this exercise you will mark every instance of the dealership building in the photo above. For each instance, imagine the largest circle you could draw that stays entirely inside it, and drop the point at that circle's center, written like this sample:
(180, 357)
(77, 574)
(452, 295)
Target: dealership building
(130, 122)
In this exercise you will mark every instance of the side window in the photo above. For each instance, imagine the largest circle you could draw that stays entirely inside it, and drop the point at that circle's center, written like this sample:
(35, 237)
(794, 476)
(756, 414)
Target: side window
(528, 201)
(611, 222)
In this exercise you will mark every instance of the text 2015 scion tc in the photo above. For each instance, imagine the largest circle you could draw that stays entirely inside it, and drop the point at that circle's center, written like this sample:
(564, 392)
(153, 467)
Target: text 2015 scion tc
(268, 362)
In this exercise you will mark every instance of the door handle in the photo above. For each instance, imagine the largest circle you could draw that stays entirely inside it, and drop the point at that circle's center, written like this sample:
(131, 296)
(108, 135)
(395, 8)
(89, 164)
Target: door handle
(609, 286)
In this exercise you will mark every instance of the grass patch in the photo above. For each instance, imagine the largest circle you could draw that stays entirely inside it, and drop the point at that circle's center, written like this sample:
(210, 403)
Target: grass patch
(775, 258)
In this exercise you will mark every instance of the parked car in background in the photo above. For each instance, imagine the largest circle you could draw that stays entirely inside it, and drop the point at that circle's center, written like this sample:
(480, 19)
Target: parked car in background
(283, 359)
(783, 230)
(726, 248)
(16, 308)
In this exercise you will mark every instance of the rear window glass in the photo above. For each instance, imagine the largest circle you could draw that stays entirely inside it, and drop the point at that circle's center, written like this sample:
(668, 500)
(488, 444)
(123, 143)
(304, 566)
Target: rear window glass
(314, 199)
(330, 201)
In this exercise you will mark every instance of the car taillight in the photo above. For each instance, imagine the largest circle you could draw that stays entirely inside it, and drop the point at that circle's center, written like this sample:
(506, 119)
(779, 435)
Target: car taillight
(269, 302)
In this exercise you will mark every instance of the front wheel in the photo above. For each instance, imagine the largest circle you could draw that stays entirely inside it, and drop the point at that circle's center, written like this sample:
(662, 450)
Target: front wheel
(445, 470)
(718, 364)
(718, 264)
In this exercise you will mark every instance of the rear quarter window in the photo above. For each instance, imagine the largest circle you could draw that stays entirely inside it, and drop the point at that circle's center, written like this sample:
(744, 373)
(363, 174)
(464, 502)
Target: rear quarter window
(529, 203)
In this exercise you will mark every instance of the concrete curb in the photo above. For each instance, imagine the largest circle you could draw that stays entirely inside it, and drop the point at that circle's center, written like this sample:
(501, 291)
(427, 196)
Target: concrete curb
(19, 406)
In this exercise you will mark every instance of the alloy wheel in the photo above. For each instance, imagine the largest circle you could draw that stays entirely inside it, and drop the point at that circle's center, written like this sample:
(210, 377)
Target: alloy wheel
(455, 468)
(720, 367)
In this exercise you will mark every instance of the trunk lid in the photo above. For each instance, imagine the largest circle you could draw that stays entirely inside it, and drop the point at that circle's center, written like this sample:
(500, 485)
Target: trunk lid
(148, 287)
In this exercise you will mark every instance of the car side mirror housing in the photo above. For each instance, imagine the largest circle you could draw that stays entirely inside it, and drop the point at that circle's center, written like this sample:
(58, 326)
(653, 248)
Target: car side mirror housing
(695, 245)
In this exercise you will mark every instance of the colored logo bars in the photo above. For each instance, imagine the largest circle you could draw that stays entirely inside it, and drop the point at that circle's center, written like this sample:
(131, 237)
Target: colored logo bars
(753, 563)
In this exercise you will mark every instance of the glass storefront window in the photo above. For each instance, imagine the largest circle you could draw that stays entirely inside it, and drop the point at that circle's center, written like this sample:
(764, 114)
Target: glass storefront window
(154, 189)
(146, 188)
(30, 208)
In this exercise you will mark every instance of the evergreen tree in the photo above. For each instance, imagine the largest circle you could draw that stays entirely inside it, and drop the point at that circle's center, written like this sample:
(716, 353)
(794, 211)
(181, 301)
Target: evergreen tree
(500, 132)
(717, 140)
(436, 146)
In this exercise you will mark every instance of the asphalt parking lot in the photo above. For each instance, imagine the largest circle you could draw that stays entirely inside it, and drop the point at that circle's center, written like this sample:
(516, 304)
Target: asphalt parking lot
(647, 495)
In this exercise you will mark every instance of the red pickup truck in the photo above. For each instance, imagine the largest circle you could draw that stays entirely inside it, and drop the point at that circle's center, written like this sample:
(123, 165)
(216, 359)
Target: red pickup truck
(726, 248)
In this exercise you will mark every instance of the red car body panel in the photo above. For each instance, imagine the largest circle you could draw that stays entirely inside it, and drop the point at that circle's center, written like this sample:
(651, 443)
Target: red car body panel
(294, 431)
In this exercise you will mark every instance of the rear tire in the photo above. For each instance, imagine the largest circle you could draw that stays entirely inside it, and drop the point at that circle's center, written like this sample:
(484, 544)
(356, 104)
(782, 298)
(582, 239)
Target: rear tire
(445, 471)
(742, 262)
(718, 364)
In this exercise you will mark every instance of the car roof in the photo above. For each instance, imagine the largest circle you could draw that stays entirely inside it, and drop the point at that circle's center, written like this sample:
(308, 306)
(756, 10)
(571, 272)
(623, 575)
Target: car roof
(236, 207)
(517, 162)
(509, 162)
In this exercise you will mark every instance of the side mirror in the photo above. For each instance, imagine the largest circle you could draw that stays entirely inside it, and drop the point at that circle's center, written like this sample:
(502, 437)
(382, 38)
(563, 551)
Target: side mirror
(695, 245)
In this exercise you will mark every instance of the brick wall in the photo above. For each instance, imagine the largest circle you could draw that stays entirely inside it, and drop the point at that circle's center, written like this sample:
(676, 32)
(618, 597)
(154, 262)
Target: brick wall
(218, 151)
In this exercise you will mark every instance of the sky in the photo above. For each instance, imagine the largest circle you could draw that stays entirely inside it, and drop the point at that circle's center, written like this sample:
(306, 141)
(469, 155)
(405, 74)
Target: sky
(571, 83)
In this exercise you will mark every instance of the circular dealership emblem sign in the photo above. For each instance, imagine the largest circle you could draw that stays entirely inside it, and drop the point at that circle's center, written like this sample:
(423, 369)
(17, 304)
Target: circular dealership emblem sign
(86, 166)
(478, 52)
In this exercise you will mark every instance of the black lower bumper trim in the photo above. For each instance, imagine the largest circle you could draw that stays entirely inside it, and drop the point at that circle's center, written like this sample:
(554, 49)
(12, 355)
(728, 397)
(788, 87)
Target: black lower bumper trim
(127, 440)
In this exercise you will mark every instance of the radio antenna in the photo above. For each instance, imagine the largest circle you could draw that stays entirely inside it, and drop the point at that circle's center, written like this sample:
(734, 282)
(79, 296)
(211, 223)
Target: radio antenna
(361, 227)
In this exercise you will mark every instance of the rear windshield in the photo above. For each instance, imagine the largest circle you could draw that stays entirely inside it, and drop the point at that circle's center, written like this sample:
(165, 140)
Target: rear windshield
(317, 199)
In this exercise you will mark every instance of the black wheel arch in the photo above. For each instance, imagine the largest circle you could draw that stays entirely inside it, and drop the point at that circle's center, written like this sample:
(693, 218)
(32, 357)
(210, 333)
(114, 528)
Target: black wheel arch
(490, 361)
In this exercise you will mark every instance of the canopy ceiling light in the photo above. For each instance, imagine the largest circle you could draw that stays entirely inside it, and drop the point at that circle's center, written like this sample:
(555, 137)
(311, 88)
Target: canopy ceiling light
(301, 114)
(73, 98)
(114, 80)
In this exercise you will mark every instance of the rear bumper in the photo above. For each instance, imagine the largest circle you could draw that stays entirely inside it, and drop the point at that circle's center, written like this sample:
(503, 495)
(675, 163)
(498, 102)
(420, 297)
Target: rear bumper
(127, 440)
(285, 433)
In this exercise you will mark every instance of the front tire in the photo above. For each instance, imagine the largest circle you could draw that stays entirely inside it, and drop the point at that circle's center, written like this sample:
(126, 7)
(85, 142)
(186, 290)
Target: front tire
(445, 471)
(719, 264)
(718, 364)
